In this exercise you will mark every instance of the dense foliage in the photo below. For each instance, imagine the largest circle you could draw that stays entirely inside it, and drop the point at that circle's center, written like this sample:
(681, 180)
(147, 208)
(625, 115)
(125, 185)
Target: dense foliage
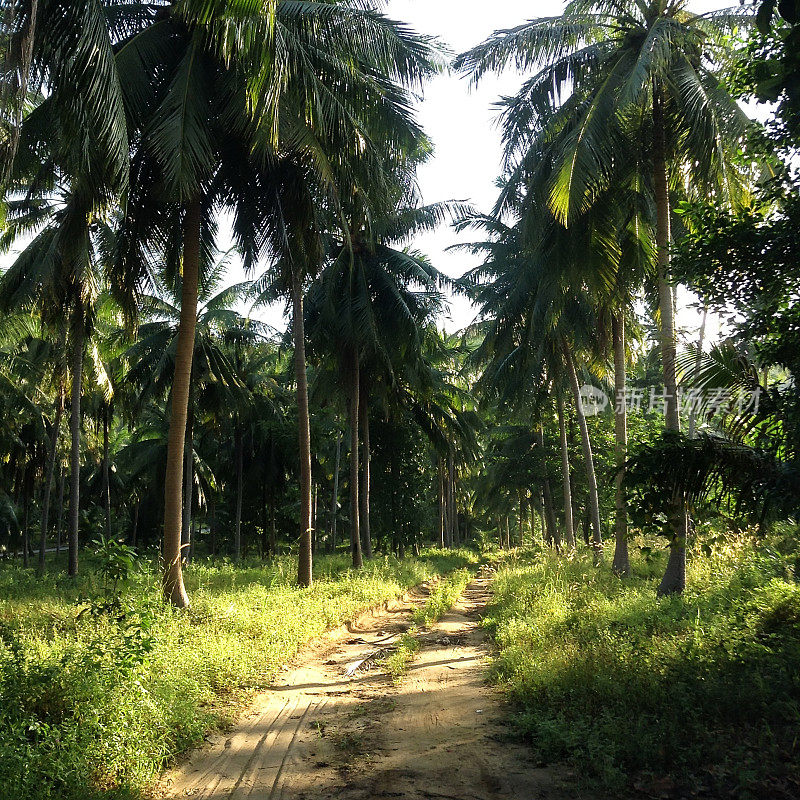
(151, 423)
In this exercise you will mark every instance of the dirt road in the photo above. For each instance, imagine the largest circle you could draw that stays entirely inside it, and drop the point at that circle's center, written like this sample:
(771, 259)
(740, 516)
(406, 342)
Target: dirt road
(320, 733)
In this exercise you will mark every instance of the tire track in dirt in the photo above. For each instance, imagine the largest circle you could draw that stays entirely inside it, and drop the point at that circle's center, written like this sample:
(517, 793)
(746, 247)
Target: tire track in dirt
(436, 735)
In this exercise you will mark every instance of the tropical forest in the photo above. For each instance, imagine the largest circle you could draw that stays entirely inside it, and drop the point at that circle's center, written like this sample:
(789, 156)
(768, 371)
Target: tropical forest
(398, 399)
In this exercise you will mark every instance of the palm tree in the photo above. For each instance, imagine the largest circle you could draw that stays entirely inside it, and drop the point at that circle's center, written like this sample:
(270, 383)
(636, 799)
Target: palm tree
(212, 130)
(629, 70)
(67, 49)
(371, 307)
(60, 270)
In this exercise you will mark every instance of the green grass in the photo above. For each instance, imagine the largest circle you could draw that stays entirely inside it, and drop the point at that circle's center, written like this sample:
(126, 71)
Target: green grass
(703, 688)
(92, 702)
(398, 662)
(441, 600)
(443, 597)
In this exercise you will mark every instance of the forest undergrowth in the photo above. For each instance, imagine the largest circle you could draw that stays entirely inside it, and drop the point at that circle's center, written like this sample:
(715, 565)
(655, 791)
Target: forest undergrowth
(102, 685)
(692, 696)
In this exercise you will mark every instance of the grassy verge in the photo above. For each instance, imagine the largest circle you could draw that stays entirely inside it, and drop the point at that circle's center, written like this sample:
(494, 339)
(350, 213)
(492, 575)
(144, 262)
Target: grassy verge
(398, 662)
(692, 694)
(95, 699)
(442, 599)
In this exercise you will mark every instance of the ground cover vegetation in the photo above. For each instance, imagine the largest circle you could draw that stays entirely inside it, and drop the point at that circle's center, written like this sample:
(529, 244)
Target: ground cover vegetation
(153, 427)
(103, 685)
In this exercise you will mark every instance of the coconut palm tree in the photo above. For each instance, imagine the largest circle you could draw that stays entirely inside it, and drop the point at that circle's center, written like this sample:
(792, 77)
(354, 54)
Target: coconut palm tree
(369, 310)
(218, 122)
(617, 71)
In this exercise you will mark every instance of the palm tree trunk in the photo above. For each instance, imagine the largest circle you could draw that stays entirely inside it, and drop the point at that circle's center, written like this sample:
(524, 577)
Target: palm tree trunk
(594, 499)
(106, 473)
(26, 506)
(442, 512)
(335, 498)
(553, 534)
(354, 380)
(539, 500)
(188, 484)
(569, 525)
(674, 580)
(273, 533)
(621, 564)
(237, 527)
(363, 413)
(212, 525)
(50, 471)
(315, 519)
(663, 241)
(75, 438)
(60, 520)
(452, 515)
(173, 587)
(697, 364)
(305, 559)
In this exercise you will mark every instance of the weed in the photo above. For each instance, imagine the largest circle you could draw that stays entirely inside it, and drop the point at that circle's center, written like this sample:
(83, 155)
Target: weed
(101, 685)
(705, 687)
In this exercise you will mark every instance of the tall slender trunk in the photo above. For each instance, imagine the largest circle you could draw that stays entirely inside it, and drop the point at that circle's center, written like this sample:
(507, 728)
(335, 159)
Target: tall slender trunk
(237, 527)
(173, 587)
(78, 332)
(51, 464)
(594, 500)
(442, 512)
(264, 520)
(663, 240)
(521, 521)
(674, 580)
(305, 559)
(106, 472)
(539, 499)
(60, 521)
(354, 376)
(552, 533)
(452, 515)
(621, 564)
(188, 484)
(395, 481)
(212, 525)
(335, 498)
(273, 533)
(26, 506)
(551, 527)
(314, 518)
(364, 498)
(697, 365)
(569, 525)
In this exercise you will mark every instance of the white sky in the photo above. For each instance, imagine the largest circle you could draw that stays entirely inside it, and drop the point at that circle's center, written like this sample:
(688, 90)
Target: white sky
(461, 122)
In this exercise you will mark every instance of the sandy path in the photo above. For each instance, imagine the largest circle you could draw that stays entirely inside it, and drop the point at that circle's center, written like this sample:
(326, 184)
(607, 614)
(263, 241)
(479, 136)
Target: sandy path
(317, 733)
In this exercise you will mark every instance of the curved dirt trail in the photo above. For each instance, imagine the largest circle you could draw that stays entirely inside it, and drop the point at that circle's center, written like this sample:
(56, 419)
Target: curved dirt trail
(319, 733)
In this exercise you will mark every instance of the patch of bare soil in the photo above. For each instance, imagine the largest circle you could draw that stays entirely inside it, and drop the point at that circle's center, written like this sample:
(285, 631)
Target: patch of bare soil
(335, 726)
